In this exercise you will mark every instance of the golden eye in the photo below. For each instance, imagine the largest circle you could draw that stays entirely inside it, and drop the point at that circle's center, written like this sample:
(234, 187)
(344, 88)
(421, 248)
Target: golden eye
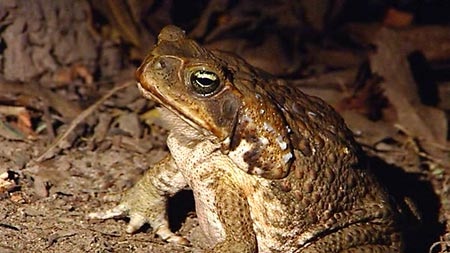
(205, 83)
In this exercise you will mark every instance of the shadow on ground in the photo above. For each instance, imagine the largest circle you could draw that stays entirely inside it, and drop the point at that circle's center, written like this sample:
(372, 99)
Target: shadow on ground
(417, 201)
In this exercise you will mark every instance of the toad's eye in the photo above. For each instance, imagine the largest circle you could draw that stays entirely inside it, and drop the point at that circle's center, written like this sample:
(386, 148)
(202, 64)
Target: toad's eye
(205, 83)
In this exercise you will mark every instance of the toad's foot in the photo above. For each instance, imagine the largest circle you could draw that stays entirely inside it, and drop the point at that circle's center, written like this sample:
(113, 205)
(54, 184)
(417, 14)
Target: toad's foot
(146, 202)
(137, 220)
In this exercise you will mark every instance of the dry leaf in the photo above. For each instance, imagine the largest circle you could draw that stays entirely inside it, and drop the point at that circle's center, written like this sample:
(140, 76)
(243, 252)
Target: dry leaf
(398, 18)
(390, 62)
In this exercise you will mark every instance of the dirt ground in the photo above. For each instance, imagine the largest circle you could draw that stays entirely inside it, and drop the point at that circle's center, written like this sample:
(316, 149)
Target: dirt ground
(75, 133)
(77, 183)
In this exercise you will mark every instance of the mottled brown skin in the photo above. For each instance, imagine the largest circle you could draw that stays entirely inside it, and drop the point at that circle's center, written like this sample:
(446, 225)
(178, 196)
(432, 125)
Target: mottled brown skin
(272, 169)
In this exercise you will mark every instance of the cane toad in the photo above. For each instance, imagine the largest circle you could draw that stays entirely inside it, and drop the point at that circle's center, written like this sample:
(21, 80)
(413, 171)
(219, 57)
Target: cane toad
(271, 169)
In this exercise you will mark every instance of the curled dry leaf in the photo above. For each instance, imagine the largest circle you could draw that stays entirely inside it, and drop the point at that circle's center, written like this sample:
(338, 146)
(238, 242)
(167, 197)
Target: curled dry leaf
(67, 75)
(18, 129)
(8, 181)
(398, 18)
(433, 41)
(427, 124)
(8, 132)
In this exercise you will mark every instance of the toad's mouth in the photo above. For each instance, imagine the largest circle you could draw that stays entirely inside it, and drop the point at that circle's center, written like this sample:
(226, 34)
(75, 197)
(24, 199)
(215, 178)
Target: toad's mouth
(156, 96)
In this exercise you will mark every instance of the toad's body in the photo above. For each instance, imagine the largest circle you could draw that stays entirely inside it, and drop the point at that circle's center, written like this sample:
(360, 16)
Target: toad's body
(272, 169)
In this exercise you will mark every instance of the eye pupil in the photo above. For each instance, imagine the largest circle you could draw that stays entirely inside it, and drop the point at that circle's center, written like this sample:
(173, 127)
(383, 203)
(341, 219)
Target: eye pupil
(204, 82)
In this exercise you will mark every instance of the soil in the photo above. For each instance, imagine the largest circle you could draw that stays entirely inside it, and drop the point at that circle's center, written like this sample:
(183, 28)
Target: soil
(47, 213)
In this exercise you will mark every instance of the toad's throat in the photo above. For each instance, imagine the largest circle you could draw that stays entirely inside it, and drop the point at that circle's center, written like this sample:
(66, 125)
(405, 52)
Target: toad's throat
(153, 94)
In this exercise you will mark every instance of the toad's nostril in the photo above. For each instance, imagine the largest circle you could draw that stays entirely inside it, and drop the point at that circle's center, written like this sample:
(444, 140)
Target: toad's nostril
(159, 64)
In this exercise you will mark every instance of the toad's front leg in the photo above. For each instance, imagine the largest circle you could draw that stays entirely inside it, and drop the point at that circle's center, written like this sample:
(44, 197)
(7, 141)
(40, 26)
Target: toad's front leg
(234, 215)
(146, 202)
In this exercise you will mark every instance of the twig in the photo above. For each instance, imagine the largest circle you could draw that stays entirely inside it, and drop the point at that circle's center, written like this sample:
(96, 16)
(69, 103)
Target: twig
(83, 115)
(442, 244)
(418, 143)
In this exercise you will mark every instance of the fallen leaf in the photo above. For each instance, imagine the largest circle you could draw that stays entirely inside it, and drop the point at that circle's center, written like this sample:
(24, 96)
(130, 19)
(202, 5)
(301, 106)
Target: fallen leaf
(425, 123)
(8, 131)
(398, 18)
